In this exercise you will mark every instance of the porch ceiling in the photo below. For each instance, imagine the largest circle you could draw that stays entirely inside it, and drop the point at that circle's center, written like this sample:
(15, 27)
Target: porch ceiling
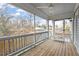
(59, 10)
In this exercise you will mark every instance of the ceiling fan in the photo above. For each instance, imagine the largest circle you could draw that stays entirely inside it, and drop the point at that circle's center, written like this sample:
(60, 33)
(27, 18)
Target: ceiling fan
(49, 6)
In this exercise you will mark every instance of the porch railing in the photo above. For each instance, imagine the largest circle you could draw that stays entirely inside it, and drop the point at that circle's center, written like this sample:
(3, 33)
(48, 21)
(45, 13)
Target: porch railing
(10, 45)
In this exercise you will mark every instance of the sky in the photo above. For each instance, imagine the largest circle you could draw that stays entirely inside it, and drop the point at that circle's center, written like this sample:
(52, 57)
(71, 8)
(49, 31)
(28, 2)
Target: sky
(15, 11)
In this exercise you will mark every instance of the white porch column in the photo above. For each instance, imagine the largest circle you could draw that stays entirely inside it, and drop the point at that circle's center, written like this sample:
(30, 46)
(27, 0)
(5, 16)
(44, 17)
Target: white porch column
(48, 28)
(64, 29)
(53, 22)
(34, 29)
(71, 30)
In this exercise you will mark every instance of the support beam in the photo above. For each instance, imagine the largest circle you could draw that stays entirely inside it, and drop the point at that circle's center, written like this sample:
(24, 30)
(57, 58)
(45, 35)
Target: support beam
(48, 28)
(71, 30)
(64, 29)
(53, 22)
(34, 29)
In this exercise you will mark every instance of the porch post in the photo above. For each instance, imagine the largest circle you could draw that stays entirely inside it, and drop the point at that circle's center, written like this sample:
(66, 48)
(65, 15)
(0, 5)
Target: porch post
(48, 28)
(34, 29)
(71, 30)
(64, 29)
(53, 22)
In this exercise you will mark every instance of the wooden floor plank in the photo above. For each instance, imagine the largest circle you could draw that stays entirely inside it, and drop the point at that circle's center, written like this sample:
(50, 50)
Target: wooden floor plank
(59, 52)
(65, 50)
(56, 50)
(52, 48)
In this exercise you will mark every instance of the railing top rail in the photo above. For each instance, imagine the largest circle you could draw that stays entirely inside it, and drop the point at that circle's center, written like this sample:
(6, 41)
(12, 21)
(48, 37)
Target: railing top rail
(21, 35)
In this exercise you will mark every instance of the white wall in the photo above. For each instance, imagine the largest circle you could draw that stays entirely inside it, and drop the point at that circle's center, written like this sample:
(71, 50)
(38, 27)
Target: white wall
(76, 27)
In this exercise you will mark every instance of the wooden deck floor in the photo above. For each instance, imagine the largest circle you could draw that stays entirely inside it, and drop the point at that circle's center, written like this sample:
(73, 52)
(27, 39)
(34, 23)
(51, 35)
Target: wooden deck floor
(52, 48)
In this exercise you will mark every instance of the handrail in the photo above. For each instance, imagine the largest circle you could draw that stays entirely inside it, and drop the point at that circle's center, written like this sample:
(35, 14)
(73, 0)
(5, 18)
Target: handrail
(21, 35)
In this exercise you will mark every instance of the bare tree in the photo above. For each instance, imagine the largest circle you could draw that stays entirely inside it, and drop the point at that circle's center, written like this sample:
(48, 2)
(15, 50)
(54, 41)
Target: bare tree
(4, 21)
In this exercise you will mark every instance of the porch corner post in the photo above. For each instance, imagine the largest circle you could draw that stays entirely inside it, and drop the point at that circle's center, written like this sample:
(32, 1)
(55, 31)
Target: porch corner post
(48, 28)
(53, 22)
(64, 29)
(34, 29)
